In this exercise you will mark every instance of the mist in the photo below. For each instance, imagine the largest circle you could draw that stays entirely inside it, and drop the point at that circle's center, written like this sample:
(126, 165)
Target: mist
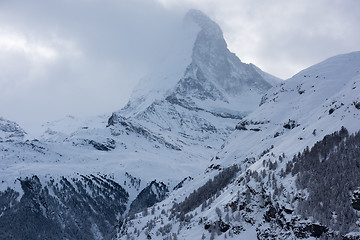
(79, 58)
(84, 58)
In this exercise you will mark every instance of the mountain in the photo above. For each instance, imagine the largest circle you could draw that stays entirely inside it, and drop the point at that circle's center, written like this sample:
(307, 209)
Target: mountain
(207, 147)
(194, 100)
(81, 176)
(288, 171)
(10, 130)
(208, 79)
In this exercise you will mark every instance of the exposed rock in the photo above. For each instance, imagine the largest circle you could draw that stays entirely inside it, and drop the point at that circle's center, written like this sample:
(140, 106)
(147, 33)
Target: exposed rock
(59, 209)
(10, 130)
(356, 199)
(290, 124)
(270, 214)
(153, 193)
(357, 105)
(180, 184)
(217, 226)
(352, 236)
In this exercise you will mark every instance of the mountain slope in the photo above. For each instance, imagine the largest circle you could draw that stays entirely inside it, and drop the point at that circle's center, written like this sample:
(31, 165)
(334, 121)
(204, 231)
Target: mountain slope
(103, 167)
(10, 130)
(206, 64)
(210, 91)
(269, 196)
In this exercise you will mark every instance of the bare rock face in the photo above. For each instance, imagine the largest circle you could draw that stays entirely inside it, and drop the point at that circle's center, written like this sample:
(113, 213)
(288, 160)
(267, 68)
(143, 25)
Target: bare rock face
(10, 130)
(356, 199)
(153, 193)
(210, 53)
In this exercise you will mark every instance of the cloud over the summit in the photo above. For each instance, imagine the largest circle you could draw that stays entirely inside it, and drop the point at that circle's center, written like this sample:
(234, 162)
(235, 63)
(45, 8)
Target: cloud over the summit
(85, 57)
(77, 57)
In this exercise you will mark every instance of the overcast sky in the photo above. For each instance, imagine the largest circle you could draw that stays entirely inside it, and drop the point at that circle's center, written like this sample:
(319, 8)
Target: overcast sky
(83, 57)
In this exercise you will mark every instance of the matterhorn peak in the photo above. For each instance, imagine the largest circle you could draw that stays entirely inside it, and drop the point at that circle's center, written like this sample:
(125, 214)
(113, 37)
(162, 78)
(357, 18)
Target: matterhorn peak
(203, 75)
(208, 27)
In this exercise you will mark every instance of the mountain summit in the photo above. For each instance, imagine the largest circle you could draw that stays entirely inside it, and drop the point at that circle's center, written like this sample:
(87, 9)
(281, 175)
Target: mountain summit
(288, 171)
(204, 86)
(86, 173)
(211, 55)
(190, 156)
(208, 27)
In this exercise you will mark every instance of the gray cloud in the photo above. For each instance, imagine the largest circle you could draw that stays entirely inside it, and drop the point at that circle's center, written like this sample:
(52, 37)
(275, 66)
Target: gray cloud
(283, 37)
(84, 57)
(77, 57)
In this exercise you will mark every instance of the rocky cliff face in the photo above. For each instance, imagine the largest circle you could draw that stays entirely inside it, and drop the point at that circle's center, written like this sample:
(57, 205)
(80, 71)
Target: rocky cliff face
(218, 64)
(81, 207)
(153, 193)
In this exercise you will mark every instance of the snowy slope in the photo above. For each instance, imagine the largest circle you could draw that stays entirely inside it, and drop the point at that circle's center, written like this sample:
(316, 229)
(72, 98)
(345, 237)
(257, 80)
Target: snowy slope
(263, 201)
(202, 95)
(202, 63)
(316, 101)
(10, 130)
(176, 120)
(186, 107)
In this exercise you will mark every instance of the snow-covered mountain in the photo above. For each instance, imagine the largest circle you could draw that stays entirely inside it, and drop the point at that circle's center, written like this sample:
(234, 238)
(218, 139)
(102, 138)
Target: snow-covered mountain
(207, 147)
(295, 174)
(202, 73)
(209, 90)
(101, 168)
(10, 130)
